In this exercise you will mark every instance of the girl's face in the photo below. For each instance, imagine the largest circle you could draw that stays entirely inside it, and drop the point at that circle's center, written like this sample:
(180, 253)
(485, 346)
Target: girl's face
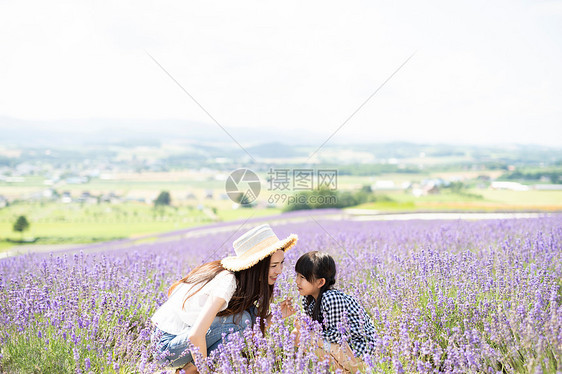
(276, 266)
(307, 288)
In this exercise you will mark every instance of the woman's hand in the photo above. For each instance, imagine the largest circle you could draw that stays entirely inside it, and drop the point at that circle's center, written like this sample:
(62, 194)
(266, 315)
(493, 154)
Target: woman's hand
(287, 308)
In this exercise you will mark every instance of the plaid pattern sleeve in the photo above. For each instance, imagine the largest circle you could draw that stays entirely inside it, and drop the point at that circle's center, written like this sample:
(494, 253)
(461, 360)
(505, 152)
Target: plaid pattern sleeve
(333, 307)
(344, 317)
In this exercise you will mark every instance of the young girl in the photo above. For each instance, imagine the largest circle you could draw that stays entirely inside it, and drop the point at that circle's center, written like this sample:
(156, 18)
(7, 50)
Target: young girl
(340, 315)
(219, 297)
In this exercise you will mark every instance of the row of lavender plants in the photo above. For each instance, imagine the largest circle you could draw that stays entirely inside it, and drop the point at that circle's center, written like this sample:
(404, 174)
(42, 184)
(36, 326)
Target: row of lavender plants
(445, 296)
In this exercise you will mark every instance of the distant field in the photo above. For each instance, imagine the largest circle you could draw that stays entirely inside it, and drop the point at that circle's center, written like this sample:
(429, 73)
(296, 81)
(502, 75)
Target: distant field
(181, 183)
(56, 223)
(524, 198)
(75, 223)
(490, 200)
(242, 213)
(71, 223)
(444, 197)
(70, 232)
(5, 245)
(143, 185)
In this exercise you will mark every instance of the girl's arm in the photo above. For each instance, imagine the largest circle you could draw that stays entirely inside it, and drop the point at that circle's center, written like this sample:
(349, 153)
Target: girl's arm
(203, 322)
(287, 310)
(333, 309)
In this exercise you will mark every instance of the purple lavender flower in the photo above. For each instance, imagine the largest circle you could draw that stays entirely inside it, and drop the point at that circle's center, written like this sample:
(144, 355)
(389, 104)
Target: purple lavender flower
(463, 296)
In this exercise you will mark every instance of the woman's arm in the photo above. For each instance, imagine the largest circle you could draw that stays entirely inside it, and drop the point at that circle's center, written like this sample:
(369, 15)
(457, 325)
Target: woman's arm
(204, 321)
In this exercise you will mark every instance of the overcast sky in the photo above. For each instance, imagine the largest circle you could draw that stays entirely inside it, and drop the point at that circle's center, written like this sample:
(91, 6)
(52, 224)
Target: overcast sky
(482, 72)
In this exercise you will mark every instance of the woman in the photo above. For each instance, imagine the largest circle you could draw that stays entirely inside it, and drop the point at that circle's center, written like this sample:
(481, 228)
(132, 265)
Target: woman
(220, 297)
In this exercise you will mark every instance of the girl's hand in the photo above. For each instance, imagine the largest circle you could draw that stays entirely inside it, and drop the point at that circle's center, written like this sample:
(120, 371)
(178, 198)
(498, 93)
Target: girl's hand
(287, 308)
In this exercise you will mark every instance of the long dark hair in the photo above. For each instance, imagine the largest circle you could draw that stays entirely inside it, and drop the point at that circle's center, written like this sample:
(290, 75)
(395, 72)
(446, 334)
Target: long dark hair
(252, 287)
(316, 265)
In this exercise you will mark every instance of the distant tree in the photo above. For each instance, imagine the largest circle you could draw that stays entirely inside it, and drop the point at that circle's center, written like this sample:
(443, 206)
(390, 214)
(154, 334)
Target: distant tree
(456, 187)
(326, 198)
(21, 225)
(163, 199)
(366, 188)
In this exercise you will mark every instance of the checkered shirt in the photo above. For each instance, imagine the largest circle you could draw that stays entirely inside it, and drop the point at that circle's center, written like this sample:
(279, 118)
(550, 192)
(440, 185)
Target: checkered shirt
(343, 317)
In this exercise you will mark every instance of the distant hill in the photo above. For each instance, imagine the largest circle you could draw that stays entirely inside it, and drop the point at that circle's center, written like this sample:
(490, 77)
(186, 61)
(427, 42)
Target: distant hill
(207, 144)
(19, 132)
(276, 150)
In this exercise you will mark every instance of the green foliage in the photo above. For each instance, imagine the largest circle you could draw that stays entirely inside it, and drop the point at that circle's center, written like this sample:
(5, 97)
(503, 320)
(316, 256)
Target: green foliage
(163, 199)
(366, 188)
(555, 176)
(460, 189)
(325, 198)
(456, 187)
(21, 224)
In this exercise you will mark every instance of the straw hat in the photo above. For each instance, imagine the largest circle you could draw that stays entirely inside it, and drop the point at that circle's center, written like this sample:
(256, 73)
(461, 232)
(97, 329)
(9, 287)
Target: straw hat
(254, 246)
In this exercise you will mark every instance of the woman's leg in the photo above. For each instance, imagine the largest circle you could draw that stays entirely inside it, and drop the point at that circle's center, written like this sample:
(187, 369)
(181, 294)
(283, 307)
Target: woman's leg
(174, 350)
(176, 346)
(227, 325)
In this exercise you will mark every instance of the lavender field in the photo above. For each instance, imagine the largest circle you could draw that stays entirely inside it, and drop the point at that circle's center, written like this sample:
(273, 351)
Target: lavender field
(445, 296)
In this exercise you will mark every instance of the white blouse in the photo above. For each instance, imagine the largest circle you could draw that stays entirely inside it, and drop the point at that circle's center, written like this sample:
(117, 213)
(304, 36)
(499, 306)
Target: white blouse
(174, 317)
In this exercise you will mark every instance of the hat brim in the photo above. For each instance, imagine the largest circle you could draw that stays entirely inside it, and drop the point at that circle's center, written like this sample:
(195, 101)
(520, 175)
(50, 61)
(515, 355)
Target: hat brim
(238, 263)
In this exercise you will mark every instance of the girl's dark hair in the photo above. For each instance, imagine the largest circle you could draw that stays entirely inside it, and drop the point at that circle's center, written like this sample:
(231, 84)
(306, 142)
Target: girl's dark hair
(252, 285)
(316, 265)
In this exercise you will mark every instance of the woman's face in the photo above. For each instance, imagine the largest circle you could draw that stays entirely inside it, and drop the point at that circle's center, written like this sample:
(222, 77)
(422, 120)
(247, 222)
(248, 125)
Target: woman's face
(276, 266)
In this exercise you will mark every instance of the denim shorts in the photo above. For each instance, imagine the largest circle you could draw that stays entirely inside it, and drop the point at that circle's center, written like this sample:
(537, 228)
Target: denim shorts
(172, 350)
